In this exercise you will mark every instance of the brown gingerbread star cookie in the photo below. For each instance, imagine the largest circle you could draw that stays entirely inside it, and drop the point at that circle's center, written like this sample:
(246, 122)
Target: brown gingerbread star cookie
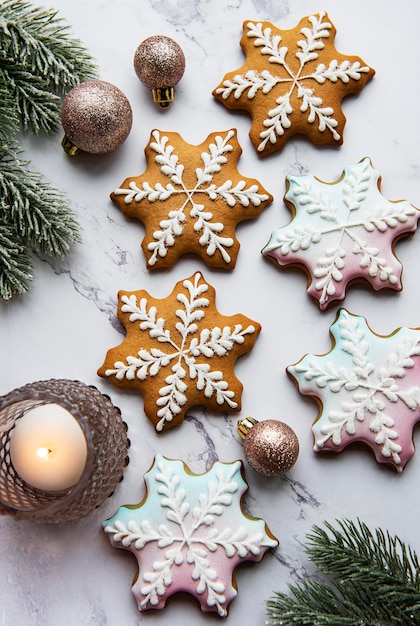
(293, 82)
(179, 351)
(190, 199)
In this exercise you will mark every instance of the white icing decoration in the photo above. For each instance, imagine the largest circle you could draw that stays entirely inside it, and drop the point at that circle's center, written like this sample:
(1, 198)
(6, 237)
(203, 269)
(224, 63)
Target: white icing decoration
(209, 232)
(336, 223)
(366, 377)
(252, 81)
(181, 351)
(182, 507)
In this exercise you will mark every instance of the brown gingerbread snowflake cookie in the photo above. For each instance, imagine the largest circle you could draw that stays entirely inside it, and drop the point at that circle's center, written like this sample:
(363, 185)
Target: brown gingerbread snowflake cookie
(179, 351)
(293, 82)
(190, 199)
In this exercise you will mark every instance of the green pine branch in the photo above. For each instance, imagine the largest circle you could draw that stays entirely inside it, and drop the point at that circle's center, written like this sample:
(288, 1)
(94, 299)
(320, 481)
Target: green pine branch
(39, 62)
(33, 214)
(373, 579)
(39, 59)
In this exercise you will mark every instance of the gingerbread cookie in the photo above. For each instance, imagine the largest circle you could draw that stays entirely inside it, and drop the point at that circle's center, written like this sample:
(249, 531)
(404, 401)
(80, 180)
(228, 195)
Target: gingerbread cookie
(190, 199)
(189, 534)
(342, 231)
(293, 82)
(179, 351)
(368, 389)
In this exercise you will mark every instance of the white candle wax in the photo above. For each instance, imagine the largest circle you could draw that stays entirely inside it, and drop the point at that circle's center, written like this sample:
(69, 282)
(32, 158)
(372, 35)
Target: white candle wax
(48, 448)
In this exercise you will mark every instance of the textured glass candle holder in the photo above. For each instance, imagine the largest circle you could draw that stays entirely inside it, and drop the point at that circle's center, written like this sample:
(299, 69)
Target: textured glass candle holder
(107, 447)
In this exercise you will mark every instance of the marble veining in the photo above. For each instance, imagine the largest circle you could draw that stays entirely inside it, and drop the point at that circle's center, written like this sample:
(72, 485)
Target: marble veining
(69, 574)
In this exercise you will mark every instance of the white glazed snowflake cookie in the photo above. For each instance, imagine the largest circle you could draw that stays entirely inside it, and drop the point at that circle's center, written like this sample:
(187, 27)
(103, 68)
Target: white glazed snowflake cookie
(189, 534)
(190, 199)
(368, 388)
(293, 82)
(179, 351)
(342, 231)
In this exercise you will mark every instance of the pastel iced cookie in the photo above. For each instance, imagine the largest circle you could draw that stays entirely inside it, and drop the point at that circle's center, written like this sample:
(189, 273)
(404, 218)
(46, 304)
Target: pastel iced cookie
(341, 232)
(179, 351)
(367, 387)
(292, 82)
(190, 199)
(189, 534)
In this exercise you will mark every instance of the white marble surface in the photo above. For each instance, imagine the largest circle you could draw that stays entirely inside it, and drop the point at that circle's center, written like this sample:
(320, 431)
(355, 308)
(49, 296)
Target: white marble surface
(69, 574)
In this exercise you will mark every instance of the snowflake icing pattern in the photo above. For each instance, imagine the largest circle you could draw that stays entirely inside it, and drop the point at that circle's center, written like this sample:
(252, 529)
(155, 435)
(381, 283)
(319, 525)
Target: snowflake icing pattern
(368, 387)
(189, 534)
(181, 360)
(342, 231)
(190, 199)
(287, 89)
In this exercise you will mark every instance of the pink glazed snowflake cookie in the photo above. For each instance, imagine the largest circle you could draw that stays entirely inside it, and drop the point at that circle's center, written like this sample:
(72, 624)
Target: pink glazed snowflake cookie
(342, 231)
(189, 534)
(368, 389)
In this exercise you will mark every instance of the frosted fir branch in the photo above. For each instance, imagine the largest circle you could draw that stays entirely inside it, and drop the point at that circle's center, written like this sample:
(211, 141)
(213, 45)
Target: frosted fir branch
(252, 81)
(15, 264)
(314, 201)
(313, 38)
(40, 60)
(313, 104)
(401, 359)
(360, 564)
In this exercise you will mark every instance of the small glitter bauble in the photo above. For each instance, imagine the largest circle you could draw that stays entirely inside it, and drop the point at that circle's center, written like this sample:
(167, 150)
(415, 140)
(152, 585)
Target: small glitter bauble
(270, 447)
(160, 64)
(96, 118)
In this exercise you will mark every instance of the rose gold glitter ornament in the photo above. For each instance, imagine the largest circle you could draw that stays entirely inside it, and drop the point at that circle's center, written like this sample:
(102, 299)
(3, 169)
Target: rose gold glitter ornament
(96, 118)
(160, 64)
(271, 447)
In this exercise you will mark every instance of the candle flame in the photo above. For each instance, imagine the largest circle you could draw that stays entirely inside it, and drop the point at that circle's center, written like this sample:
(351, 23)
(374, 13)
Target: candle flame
(43, 453)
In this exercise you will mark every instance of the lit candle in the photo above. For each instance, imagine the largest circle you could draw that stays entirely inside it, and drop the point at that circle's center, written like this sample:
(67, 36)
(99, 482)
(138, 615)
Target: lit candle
(48, 448)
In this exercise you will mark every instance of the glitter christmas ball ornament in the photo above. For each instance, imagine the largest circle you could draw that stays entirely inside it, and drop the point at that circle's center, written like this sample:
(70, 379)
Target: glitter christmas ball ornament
(96, 118)
(159, 62)
(271, 447)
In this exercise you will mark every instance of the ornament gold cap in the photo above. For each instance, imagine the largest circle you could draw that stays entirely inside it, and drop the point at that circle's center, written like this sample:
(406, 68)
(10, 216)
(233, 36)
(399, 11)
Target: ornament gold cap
(245, 425)
(69, 147)
(163, 96)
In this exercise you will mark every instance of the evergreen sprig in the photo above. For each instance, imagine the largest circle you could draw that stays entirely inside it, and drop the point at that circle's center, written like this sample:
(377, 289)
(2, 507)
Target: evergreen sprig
(39, 62)
(372, 579)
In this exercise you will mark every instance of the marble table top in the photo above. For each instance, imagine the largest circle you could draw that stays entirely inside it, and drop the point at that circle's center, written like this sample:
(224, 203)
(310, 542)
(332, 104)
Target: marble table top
(69, 574)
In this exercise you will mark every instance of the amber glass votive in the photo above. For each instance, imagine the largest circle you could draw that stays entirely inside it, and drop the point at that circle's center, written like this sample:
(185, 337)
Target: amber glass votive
(91, 432)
